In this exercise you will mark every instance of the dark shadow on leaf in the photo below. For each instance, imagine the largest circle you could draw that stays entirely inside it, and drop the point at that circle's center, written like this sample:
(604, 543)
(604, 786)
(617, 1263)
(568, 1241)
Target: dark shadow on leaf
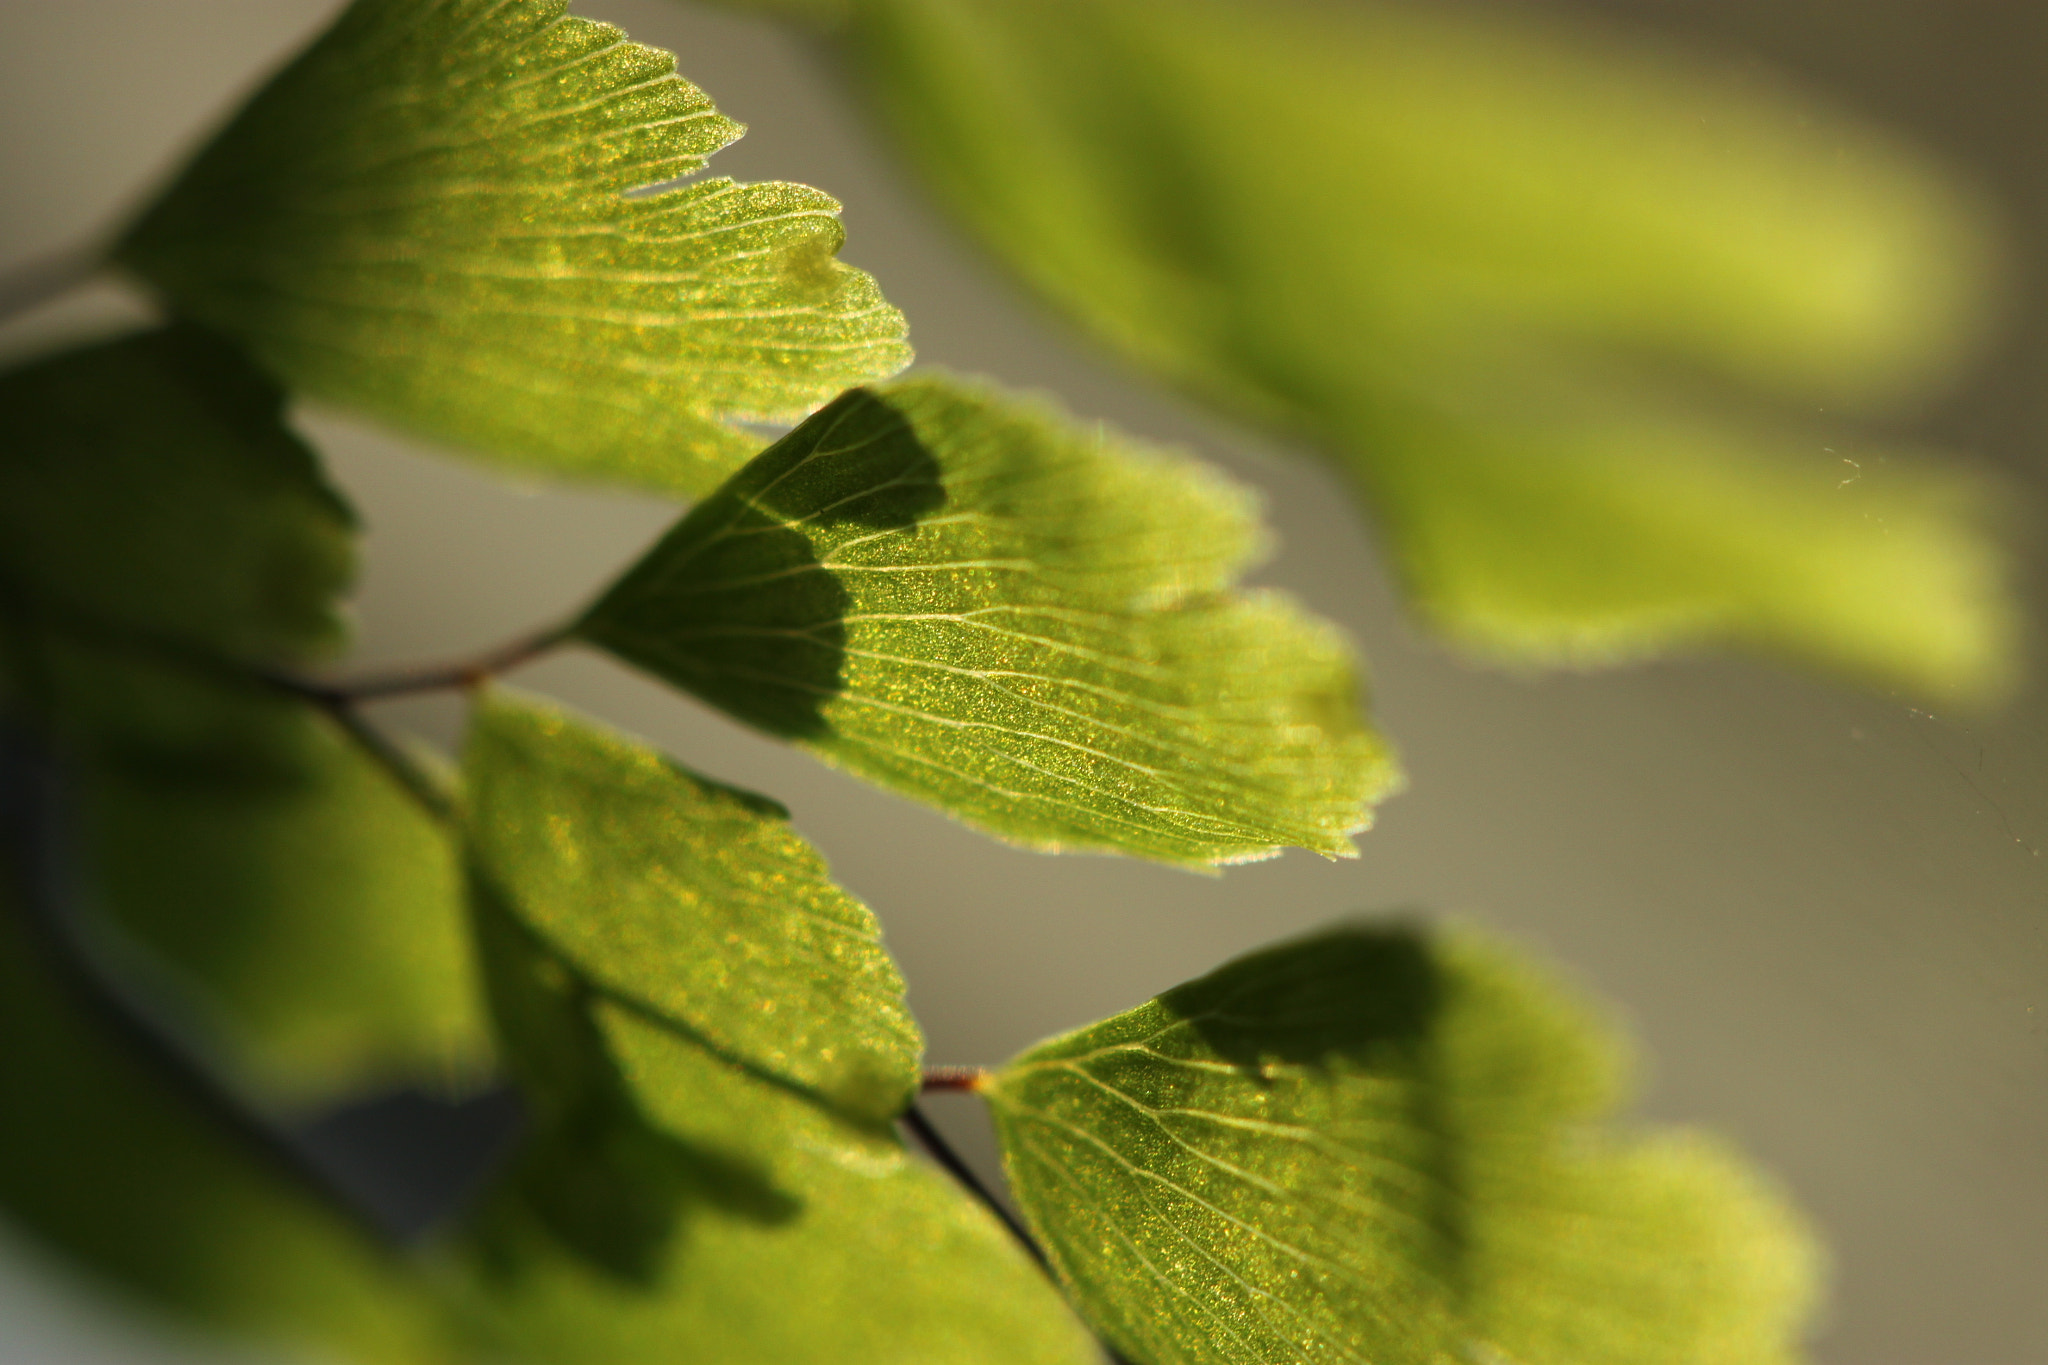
(683, 1030)
(1363, 994)
(619, 1193)
(1353, 998)
(734, 604)
(611, 1189)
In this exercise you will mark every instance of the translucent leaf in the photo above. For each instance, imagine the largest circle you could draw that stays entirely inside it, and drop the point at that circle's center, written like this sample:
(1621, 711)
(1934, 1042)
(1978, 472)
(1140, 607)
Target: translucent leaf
(1029, 624)
(668, 1196)
(691, 899)
(431, 216)
(1526, 289)
(296, 902)
(1372, 1145)
(151, 486)
(1511, 535)
(136, 1179)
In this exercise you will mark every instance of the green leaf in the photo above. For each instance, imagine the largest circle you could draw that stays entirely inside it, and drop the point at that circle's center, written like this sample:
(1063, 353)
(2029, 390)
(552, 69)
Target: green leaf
(670, 1196)
(431, 216)
(125, 701)
(1513, 534)
(296, 902)
(691, 899)
(151, 487)
(1033, 626)
(135, 1178)
(1375, 1145)
(161, 529)
(1470, 259)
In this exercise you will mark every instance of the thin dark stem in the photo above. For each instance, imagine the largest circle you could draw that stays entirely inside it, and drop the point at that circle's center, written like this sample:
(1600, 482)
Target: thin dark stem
(393, 758)
(942, 1152)
(969, 1078)
(33, 283)
(446, 677)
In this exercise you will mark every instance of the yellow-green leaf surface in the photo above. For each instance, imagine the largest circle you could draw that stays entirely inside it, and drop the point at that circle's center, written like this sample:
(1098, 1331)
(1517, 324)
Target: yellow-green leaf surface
(133, 1179)
(1027, 623)
(1376, 1145)
(295, 902)
(672, 1205)
(432, 216)
(1531, 290)
(151, 487)
(694, 900)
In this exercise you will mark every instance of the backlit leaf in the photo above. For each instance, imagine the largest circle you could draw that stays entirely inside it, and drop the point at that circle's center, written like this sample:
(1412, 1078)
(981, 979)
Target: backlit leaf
(431, 216)
(1032, 625)
(669, 1200)
(691, 899)
(133, 1178)
(1471, 259)
(150, 486)
(1512, 533)
(1378, 1146)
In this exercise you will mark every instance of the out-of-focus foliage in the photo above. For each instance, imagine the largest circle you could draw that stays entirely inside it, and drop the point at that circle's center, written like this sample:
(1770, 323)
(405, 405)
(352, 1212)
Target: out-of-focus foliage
(1582, 533)
(150, 487)
(1032, 626)
(673, 1200)
(1548, 303)
(1372, 1145)
(161, 527)
(303, 908)
(131, 1175)
(428, 216)
(692, 900)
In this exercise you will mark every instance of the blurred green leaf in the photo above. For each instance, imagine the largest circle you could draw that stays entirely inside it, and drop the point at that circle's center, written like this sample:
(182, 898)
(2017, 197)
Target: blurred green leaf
(693, 900)
(151, 487)
(296, 902)
(1529, 289)
(1029, 624)
(1514, 534)
(134, 1178)
(1374, 1145)
(671, 1200)
(128, 702)
(434, 215)
(161, 529)
(292, 903)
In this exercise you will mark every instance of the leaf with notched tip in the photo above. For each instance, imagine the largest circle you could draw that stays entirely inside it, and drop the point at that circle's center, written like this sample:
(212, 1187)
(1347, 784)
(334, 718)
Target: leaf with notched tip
(1375, 1145)
(432, 215)
(1032, 625)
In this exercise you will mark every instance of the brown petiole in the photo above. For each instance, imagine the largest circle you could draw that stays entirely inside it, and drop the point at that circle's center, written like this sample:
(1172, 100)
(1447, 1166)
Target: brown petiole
(460, 675)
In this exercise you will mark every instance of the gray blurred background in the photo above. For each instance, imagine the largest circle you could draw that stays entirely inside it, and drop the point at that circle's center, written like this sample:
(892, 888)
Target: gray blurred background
(1822, 912)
